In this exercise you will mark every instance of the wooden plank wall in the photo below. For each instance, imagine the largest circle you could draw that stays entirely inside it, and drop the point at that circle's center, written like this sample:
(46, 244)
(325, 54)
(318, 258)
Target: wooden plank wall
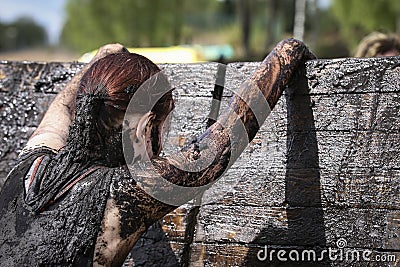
(322, 172)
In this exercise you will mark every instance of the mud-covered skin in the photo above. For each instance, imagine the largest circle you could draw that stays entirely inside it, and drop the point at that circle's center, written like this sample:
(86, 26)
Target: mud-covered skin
(132, 211)
(62, 236)
(136, 210)
(35, 228)
(271, 78)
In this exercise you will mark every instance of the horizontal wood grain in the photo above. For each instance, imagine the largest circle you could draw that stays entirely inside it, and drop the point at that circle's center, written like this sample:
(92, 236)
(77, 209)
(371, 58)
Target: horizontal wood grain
(325, 165)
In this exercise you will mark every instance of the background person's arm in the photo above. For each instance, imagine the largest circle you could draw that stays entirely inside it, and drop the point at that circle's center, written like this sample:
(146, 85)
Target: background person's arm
(52, 131)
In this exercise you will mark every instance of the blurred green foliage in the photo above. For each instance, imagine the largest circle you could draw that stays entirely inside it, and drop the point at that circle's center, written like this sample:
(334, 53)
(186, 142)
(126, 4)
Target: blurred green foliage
(135, 23)
(357, 18)
(142, 23)
(251, 26)
(22, 33)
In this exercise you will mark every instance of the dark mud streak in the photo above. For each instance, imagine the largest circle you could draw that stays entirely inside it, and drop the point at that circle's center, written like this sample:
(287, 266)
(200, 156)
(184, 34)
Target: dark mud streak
(217, 94)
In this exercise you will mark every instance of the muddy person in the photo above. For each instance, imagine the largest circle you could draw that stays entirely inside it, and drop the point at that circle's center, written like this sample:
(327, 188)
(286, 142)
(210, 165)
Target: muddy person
(73, 200)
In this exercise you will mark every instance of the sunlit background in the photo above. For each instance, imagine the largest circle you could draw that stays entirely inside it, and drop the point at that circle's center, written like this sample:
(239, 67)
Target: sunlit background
(188, 30)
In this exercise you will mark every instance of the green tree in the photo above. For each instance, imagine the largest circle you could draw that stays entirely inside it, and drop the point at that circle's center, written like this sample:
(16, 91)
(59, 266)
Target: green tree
(22, 33)
(357, 18)
(134, 23)
(91, 23)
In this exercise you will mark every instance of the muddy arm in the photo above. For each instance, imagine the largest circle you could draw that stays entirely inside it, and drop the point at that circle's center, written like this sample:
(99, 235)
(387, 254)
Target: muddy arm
(165, 183)
(212, 153)
(52, 131)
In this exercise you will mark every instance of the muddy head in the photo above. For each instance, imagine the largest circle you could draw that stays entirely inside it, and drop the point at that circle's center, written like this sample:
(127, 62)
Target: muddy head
(105, 92)
(95, 135)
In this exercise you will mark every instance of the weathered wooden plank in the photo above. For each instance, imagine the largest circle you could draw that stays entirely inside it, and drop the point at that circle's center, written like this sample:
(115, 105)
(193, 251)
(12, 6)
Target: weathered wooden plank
(391, 80)
(377, 228)
(341, 112)
(187, 123)
(33, 76)
(52, 77)
(236, 74)
(268, 147)
(330, 171)
(325, 76)
(353, 75)
(344, 174)
(369, 150)
(260, 187)
(337, 76)
(369, 111)
(192, 79)
(345, 112)
(333, 139)
(234, 254)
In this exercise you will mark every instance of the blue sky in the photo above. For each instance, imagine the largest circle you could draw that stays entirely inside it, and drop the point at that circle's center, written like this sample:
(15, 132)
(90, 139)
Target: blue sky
(324, 3)
(50, 13)
(47, 13)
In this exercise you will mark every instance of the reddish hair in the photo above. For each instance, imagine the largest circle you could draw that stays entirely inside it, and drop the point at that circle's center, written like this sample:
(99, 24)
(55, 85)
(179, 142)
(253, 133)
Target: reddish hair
(115, 79)
(112, 75)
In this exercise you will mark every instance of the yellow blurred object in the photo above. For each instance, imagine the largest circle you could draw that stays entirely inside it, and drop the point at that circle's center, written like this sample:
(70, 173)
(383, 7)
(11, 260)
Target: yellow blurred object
(173, 54)
(178, 54)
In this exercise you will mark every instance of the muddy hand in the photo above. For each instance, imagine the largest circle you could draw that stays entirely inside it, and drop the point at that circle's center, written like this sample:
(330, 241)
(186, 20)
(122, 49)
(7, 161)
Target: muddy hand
(109, 49)
(279, 67)
(259, 94)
